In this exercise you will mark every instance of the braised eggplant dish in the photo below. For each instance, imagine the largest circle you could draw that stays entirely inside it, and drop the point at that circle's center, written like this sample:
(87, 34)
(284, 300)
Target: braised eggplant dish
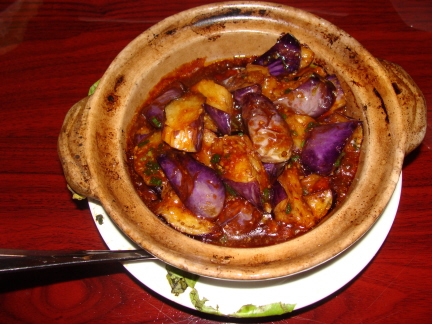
(246, 151)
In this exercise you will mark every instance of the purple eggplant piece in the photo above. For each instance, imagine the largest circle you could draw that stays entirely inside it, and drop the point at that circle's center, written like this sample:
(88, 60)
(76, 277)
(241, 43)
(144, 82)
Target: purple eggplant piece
(154, 112)
(248, 190)
(198, 186)
(268, 131)
(141, 137)
(313, 98)
(324, 146)
(239, 95)
(273, 170)
(283, 57)
(279, 193)
(220, 117)
(175, 174)
(340, 100)
(239, 217)
(338, 89)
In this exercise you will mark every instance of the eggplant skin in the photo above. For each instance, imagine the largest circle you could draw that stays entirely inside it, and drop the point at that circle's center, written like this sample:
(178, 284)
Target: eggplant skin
(240, 167)
(198, 186)
(268, 131)
(324, 146)
(282, 57)
(154, 112)
(313, 98)
(220, 117)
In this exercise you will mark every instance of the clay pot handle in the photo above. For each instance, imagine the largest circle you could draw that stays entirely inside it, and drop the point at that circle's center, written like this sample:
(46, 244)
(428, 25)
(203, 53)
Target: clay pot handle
(71, 150)
(412, 102)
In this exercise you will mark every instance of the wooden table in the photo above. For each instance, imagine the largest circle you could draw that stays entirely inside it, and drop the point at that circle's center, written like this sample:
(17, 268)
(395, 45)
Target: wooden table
(51, 52)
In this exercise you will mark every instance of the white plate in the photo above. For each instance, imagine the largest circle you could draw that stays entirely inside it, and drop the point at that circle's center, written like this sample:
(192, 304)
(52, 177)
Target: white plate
(302, 289)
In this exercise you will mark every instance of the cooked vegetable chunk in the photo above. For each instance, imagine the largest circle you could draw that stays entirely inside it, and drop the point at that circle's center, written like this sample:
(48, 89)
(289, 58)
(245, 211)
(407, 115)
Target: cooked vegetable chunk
(313, 98)
(240, 167)
(181, 218)
(283, 57)
(154, 112)
(184, 123)
(198, 186)
(216, 95)
(267, 129)
(294, 209)
(145, 163)
(324, 146)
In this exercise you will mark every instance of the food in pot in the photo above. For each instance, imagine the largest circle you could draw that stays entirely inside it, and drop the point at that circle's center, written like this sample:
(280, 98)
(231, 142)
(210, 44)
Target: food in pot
(248, 151)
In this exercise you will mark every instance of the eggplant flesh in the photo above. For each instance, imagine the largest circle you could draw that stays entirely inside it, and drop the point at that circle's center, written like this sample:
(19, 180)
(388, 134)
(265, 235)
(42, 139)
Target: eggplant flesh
(313, 98)
(267, 129)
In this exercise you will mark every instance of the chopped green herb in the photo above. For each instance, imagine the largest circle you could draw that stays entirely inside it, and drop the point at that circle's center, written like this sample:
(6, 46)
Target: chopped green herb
(156, 181)
(294, 133)
(156, 122)
(215, 158)
(230, 190)
(223, 239)
(310, 126)
(284, 116)
(288, 209)
(153, 165)
(303, 143)
(143, 143)
(287, 91)
(266, 194)
(93, 88)
(338, 161)
(295, 158)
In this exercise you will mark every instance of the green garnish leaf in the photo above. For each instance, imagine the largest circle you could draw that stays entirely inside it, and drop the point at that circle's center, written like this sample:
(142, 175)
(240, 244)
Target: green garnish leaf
(215, 158)
(295, 158)
(288, 209)
(310, 126)
(287, 91)
(143, 143)
(75, 195)
(266, 194)
(265, 310)
(178, 285)
(156, 181)
(99, 218)
(230, 190)
(303, 143)
(200, 305)
(93, 88)
(156, 122)
(338, 161)
(180, 280)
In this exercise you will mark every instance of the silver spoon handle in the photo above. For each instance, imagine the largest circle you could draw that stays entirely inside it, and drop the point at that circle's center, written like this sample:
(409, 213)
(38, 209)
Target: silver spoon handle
(18, 260)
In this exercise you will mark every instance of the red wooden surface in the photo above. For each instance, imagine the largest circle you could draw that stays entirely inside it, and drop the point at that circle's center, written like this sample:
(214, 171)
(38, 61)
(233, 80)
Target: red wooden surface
(51, 52)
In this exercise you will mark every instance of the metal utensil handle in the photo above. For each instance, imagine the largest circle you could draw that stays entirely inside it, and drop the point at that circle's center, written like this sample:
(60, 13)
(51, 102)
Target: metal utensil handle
(19, 260)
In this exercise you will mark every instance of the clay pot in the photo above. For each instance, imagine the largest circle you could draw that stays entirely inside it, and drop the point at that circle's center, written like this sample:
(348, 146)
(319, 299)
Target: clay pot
(380, 93)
